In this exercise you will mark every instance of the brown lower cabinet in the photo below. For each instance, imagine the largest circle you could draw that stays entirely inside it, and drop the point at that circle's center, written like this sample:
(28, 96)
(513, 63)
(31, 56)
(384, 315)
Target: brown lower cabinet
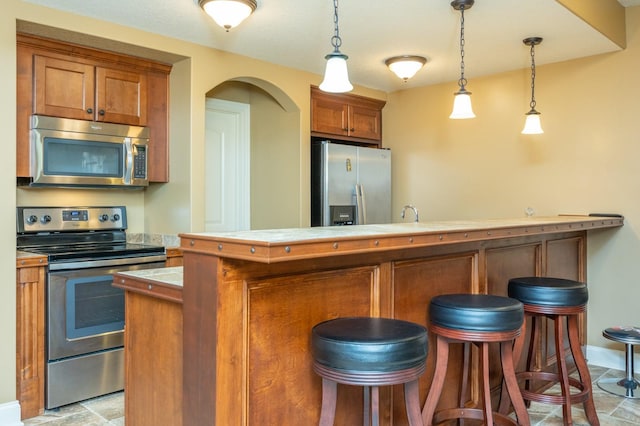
(249, 306)
(153, 352)
(30, 344)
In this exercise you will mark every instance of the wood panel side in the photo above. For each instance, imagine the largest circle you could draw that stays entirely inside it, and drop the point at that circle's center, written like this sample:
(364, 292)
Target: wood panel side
(281, 384)
(30, 343)
(153, 361)
(415, 282)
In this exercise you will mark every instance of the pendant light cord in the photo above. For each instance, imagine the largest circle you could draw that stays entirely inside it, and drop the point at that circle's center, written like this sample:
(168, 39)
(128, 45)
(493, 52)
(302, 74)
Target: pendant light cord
(533, 78)
(336, 41)
(463, 81)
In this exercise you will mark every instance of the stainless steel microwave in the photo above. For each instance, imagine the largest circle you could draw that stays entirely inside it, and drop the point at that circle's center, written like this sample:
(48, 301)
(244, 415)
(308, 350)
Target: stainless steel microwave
(78, 153)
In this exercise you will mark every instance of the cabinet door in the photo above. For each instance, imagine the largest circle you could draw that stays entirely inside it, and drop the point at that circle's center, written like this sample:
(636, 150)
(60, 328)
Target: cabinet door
(63, 88)
(364, 122)
(121, 97)
(329, 116)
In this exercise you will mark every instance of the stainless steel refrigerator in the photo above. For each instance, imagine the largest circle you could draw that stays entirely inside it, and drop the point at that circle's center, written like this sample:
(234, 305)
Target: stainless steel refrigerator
(350, 185)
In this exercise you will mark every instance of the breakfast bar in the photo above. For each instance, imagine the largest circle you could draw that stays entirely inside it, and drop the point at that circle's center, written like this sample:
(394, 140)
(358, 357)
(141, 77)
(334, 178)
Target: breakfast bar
(250, 299)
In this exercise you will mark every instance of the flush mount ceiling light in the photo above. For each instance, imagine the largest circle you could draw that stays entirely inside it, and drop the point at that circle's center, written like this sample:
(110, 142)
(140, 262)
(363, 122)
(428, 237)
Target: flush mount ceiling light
(532, 123)
(462, 100)
(228, 13)
(336, 76)
(405, 66)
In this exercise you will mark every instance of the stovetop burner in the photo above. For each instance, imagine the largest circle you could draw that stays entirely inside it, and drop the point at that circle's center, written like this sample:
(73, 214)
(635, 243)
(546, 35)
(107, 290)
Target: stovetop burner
(66, 234)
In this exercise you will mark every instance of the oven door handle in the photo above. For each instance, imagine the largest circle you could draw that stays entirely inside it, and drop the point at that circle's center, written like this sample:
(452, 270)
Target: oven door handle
(106, 262)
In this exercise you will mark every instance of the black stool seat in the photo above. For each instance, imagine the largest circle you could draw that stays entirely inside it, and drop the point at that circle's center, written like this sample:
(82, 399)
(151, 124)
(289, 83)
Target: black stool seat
(548, 291)
(477, 312)
(629, 386)
(623, 334)
(369, 344)
(369, 352)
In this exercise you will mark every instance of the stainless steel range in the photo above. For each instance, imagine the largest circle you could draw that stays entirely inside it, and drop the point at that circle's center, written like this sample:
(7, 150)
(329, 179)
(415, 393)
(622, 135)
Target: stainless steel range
(85, 246)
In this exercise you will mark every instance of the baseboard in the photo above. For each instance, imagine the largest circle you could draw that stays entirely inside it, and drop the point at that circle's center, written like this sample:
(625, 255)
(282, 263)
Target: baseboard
(608, 358)
(10, 414)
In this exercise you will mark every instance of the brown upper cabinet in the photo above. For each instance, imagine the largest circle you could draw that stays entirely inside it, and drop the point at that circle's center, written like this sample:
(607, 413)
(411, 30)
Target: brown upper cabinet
(72, 89)
(66, 80)
(346, 117)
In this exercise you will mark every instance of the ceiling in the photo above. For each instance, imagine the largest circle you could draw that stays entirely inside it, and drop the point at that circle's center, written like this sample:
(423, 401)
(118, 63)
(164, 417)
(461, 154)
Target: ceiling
(297, 33)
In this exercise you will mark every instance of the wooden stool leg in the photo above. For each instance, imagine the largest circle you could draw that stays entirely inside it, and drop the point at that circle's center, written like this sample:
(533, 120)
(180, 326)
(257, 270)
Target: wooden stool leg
(412, 403)
(583, 369)
(562, 371)
(511, 384)
(466, 362)
(442, 360)
(486, 391)
(518, 346)
(375, 406)
(366, 406)
(329, 393)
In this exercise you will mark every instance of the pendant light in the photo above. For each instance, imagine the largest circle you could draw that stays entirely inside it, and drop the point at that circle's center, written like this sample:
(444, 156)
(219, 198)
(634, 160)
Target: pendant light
(462, 100)
(228, 13)
(405, 66)
(336, 76)
(532, 123)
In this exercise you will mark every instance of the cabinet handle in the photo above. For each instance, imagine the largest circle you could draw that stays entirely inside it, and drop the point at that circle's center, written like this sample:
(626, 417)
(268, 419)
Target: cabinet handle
(352, 129)
(346, 129)
(101, 112)
(89, 110)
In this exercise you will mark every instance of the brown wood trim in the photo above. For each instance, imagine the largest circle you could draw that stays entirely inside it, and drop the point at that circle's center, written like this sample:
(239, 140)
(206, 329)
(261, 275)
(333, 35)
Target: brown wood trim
(88, 54)
(148, 287)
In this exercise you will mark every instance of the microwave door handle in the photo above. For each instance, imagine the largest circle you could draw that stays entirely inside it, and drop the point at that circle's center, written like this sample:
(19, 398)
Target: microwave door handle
(128, 161)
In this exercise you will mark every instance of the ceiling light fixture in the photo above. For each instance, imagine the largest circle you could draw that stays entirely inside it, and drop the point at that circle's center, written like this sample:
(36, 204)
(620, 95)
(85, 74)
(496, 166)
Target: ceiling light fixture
(405, 66)
(228, 13)
(462, 100)
(532, 123)
(336, 76)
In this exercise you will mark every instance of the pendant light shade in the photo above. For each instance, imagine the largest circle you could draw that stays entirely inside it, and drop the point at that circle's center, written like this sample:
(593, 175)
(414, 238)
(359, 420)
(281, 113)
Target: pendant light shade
(228, 13)
(405, 66)
(336, 75)
(532, 123)
(462, 105)
(462, 100)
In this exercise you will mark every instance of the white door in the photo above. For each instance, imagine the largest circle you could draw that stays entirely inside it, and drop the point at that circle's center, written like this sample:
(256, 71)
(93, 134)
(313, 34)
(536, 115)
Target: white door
(227, 183)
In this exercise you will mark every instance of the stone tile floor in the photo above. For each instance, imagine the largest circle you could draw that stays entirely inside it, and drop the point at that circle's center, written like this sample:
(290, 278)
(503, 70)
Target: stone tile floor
(612, 410)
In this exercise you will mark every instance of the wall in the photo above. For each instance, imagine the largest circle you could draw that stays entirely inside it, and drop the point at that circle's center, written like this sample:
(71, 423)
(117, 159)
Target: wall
(275, 163)
(586, 161)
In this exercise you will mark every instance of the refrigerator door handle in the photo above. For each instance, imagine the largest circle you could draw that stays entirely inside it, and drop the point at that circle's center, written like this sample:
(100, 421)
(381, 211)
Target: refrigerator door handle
(361, 205)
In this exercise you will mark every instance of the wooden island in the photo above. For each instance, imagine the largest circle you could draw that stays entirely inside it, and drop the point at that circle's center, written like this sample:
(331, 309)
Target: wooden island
(251, 298)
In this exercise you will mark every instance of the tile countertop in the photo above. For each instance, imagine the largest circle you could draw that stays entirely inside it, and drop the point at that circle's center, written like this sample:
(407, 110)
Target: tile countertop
(275, 236)
(278, 245)
(169, 276)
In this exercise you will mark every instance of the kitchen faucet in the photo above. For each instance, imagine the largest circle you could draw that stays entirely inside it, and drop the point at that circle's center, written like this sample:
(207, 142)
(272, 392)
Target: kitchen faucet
(409, 206)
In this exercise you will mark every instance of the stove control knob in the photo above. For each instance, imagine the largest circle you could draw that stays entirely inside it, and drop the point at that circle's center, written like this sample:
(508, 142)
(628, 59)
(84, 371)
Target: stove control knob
(103, 217)
(45, 219)
(32, 219)
(115, 217)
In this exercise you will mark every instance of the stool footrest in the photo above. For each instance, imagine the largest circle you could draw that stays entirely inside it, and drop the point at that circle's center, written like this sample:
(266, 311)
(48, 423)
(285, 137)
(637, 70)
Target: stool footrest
(471, 413)
(528, 395)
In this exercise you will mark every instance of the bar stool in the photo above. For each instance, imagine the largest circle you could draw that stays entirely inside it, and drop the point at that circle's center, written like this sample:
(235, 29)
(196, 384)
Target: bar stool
(479, 319)
(629, 385)
(369, 352)
(556, 299)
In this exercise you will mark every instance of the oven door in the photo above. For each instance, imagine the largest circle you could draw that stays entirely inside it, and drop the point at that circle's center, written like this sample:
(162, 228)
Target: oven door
(85, 312)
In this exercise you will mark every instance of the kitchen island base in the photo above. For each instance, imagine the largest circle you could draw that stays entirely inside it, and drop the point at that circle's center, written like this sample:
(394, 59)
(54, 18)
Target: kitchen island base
(251, 298)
